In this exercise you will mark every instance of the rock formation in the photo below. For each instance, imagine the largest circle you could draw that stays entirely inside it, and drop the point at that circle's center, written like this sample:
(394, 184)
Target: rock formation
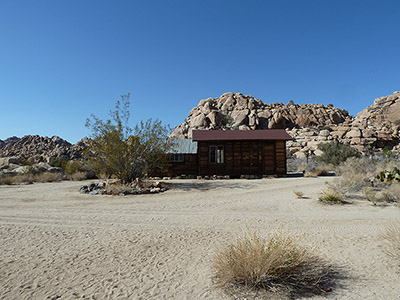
(38, 148)
(309, 124)
(237, 111)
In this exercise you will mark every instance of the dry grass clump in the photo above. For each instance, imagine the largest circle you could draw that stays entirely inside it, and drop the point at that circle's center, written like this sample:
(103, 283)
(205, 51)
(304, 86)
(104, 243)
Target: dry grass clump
(281, 262)
(392, 237)
(30, 178)
(382, 195)
(332, 196)
(78, 176)
(299, 194)
(319, 171)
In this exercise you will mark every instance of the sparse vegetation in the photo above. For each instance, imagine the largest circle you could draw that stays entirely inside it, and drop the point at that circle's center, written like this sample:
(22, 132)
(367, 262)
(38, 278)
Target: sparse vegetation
(278, 262)
(30, 178)
(392, 237)
(78, 176)
(332, 196)
(336, 153)
(314, 172)
(59, 162)
(299, 194)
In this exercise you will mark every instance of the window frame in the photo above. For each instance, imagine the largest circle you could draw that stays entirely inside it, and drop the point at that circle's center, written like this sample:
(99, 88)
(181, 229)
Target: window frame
(216, 154)
(177, 157)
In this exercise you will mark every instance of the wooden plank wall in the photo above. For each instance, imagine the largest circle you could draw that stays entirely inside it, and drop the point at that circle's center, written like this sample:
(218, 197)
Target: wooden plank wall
(244, 158)
(187, 167)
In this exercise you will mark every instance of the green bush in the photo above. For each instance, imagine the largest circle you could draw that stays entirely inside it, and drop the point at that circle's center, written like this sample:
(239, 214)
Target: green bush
(335, 153)
(118, 150)
(74, 166)
(58, 162)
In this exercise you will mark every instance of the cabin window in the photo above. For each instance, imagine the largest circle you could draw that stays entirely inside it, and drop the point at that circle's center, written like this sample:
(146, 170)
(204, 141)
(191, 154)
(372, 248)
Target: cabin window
(176, 158)
(217, 154)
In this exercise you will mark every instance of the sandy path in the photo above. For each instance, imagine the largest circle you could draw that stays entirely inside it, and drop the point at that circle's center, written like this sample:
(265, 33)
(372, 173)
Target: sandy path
(58, 244)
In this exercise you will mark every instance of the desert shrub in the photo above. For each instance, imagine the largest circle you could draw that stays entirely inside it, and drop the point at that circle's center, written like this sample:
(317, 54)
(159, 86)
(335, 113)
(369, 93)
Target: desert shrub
(299, 194)
(74, 166)
(392, 237)
(332, 196)
(30, 178)
(47, 177)
(395, 190)
(280, 261)
(59, 162)
(370, 194)
(397, 122)
(78, 176)
(6, 180)
(319, 171)
(128, 153)
(357, 165)
(336, 153)
(352, 182)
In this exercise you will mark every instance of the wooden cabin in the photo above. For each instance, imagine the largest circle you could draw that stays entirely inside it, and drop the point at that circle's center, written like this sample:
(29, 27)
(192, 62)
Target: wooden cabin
(241, 152)
(228, 152)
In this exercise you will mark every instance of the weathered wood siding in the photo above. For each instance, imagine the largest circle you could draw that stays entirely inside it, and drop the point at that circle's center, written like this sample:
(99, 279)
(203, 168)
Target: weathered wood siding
(187, 167)
(243, 158)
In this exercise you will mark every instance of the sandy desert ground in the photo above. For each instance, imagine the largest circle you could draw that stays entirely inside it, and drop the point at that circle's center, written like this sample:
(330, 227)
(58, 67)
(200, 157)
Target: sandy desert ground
(58, 244)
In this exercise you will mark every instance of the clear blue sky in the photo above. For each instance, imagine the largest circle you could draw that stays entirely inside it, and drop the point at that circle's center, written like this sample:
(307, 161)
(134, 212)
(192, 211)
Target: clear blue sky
(60, 61)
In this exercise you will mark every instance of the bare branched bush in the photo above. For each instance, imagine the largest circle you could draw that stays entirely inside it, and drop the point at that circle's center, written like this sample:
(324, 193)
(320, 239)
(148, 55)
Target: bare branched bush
(278, 262)
(357, 165)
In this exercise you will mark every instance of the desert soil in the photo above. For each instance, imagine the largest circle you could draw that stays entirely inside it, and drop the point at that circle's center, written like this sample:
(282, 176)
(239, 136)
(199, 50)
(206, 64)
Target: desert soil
(58, 244)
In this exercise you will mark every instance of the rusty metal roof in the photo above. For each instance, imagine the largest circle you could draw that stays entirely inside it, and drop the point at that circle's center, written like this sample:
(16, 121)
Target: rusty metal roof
(239, 135)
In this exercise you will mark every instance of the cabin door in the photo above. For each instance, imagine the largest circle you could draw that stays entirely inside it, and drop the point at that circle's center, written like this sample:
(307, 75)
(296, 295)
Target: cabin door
(269, 159)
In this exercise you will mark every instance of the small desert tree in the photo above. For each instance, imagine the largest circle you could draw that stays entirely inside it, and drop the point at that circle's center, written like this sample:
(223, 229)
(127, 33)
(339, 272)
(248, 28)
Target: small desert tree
(128, 153)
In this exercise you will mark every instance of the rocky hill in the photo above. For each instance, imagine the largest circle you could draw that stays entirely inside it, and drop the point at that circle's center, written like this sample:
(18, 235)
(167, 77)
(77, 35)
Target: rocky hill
(237, 111)
(37, 148)
(309, 124)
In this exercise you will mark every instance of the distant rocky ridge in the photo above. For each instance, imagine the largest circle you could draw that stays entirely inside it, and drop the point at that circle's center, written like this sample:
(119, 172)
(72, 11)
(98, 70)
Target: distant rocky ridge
(309, 124)
(38, 148)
